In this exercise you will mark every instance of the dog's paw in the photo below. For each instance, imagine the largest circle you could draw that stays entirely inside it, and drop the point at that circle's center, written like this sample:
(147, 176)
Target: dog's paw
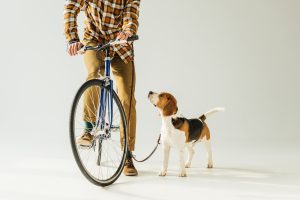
(209, 165)
(162, 173)
(187, 165)
(182, 174)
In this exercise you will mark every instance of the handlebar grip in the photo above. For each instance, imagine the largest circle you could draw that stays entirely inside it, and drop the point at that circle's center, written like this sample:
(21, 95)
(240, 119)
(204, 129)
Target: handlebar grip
(133, 38)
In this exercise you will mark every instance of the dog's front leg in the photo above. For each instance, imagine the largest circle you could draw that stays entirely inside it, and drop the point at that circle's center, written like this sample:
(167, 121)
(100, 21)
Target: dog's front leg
(166, 153)
(182, 172)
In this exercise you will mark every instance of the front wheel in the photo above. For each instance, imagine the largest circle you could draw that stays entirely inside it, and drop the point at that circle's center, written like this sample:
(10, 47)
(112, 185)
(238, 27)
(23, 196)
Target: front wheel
(103, 161)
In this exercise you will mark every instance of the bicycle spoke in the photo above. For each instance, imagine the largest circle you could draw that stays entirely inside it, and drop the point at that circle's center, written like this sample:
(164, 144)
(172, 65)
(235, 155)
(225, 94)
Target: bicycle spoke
(92, 99)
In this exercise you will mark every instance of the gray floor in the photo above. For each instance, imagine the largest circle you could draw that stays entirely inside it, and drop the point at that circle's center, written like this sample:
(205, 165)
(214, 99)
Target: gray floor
(243, 174)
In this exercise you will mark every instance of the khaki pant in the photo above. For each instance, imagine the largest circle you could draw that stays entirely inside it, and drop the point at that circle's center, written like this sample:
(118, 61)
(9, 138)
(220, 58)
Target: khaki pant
(124, 75)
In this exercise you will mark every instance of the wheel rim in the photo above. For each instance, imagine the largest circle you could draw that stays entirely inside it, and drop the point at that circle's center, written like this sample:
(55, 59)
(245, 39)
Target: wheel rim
(107, 167)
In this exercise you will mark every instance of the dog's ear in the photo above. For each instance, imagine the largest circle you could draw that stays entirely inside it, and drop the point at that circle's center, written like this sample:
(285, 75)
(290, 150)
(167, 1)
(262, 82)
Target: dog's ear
(177, 122)
(170, 108)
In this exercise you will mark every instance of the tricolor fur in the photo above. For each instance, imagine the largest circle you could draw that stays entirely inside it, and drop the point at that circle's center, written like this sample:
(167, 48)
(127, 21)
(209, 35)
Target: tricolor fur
(179, 132)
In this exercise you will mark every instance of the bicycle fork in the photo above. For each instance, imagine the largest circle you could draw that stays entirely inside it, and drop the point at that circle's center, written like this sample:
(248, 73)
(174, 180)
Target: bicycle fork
(106, 102)
(105, 99)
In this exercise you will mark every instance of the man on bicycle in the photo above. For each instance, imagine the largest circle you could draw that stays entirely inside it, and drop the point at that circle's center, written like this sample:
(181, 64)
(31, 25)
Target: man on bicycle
(106, 20)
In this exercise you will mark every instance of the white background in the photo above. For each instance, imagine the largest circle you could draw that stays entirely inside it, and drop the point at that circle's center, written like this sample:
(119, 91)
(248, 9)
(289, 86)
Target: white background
(243, 55)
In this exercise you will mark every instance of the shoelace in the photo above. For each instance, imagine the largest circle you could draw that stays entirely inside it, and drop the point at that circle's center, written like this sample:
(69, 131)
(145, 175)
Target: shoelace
(129, 163)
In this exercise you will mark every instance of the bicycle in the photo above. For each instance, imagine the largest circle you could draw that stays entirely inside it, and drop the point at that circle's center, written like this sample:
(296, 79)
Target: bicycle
(103, 161)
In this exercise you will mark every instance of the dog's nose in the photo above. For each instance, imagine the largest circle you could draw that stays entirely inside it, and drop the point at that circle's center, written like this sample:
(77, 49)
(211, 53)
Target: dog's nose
(150, 93)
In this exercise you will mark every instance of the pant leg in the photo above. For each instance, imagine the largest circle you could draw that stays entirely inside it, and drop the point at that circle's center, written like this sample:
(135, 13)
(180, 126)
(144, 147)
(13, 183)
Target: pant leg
(91, 96)
(124, 75)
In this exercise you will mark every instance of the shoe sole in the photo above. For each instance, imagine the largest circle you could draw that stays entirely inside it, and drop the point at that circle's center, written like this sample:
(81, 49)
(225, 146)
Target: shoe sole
(130, 174)
(84, 143)
(84, 147)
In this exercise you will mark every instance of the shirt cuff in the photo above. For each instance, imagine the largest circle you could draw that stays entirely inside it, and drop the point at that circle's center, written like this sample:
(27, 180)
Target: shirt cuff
(73, 41)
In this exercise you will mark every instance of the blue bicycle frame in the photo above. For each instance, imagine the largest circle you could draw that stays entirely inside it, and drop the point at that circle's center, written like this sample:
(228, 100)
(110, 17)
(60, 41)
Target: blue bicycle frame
(106, 95)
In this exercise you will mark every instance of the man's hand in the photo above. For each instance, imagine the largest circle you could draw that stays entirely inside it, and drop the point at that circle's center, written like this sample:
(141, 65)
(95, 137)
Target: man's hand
(74, 47)
(124, 36)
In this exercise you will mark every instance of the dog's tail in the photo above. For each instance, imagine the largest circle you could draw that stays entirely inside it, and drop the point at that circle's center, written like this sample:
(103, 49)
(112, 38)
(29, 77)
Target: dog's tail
(210, 112)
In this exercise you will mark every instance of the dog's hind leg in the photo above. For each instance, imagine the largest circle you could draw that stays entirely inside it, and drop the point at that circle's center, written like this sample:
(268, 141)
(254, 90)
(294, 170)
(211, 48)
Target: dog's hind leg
(209, 153)
(191, 152)
(182, 172)
(166, 153)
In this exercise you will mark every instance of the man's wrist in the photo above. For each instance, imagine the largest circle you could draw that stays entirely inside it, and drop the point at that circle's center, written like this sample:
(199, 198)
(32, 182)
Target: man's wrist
(73, 41)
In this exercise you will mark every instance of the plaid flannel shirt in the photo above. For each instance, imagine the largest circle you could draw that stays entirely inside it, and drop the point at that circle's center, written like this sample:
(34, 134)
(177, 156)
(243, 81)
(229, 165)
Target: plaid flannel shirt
(104, 19)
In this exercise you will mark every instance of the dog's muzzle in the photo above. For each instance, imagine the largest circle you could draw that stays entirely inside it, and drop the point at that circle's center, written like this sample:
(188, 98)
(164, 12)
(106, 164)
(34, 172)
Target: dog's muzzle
(150, 97)
(150, 93)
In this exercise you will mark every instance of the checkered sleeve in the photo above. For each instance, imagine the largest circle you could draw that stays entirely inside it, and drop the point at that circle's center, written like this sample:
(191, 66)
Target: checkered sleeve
(71, 10)
(131, 15)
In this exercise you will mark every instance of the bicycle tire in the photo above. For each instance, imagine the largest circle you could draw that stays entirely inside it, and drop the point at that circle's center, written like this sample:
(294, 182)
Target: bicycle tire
(85, 86)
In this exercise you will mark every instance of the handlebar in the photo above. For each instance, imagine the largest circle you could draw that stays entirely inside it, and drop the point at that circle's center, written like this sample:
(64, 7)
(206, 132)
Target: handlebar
(102, 47)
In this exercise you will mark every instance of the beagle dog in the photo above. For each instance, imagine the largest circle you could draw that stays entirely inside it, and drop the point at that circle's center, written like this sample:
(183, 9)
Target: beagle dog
(179, 132)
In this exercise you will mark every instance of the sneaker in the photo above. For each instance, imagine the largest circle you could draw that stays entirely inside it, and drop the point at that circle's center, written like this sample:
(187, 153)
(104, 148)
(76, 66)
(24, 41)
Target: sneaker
(129, 169)
(86, 139)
